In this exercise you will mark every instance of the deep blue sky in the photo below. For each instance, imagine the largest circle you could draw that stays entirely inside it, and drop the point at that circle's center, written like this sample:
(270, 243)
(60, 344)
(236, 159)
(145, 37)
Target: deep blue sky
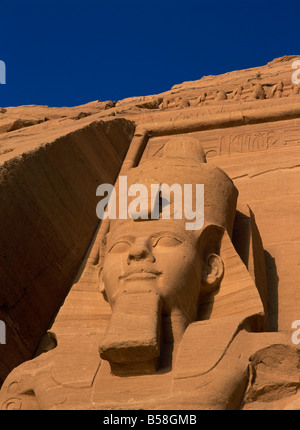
(70, 52)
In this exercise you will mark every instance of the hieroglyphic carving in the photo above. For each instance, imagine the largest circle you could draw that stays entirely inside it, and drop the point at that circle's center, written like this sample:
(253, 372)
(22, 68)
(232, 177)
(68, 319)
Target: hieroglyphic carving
(238, 140)
(258, 140)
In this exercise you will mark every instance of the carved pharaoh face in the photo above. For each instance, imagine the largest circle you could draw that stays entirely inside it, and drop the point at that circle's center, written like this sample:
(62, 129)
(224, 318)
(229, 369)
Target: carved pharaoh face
(158, 255)
(174, 266)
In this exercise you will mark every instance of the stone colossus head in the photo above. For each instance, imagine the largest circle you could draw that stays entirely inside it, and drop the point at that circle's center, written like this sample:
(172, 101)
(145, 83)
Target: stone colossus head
(155, 272)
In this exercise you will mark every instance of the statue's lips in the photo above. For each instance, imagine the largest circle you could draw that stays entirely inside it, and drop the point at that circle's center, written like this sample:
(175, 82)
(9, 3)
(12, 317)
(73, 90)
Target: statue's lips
(140, 275)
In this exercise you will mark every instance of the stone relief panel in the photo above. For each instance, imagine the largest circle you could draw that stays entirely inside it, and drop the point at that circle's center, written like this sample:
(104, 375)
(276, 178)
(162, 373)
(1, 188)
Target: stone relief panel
(238, 140)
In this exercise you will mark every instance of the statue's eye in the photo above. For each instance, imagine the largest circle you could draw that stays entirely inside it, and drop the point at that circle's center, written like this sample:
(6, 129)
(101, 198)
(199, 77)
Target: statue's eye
(119, 247)
(166, 241)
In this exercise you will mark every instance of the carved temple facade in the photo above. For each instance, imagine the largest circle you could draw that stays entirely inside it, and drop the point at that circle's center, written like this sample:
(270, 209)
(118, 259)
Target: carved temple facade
(53, 159)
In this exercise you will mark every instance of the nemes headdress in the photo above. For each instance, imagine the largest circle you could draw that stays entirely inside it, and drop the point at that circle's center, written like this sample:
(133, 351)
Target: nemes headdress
(183, 162)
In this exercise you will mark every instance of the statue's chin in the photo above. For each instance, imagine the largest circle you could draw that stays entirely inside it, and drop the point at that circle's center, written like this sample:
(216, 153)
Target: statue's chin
(132, 341)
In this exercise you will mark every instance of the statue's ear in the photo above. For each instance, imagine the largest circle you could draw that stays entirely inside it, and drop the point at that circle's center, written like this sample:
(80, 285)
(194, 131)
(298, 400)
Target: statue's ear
(212, 272)
(212, 264)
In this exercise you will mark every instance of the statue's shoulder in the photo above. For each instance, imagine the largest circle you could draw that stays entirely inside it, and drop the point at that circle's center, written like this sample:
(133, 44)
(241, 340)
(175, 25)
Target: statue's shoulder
(18, 389)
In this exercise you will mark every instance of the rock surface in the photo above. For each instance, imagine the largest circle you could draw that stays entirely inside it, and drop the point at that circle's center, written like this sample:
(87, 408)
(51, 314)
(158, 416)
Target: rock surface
(52, 160)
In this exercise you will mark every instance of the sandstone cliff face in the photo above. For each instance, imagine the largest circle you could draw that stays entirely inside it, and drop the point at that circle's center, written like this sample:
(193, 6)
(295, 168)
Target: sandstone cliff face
(48, 218)
(52, 160)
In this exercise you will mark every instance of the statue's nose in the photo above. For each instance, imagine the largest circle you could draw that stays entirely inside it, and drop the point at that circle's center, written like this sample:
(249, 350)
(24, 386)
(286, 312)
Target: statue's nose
(140, 250)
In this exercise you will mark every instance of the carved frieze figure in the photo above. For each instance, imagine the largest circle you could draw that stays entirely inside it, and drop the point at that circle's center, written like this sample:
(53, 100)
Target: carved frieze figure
(187, 313)
(221, 95)
(277, 90)
(258, 91)
(237, 93)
